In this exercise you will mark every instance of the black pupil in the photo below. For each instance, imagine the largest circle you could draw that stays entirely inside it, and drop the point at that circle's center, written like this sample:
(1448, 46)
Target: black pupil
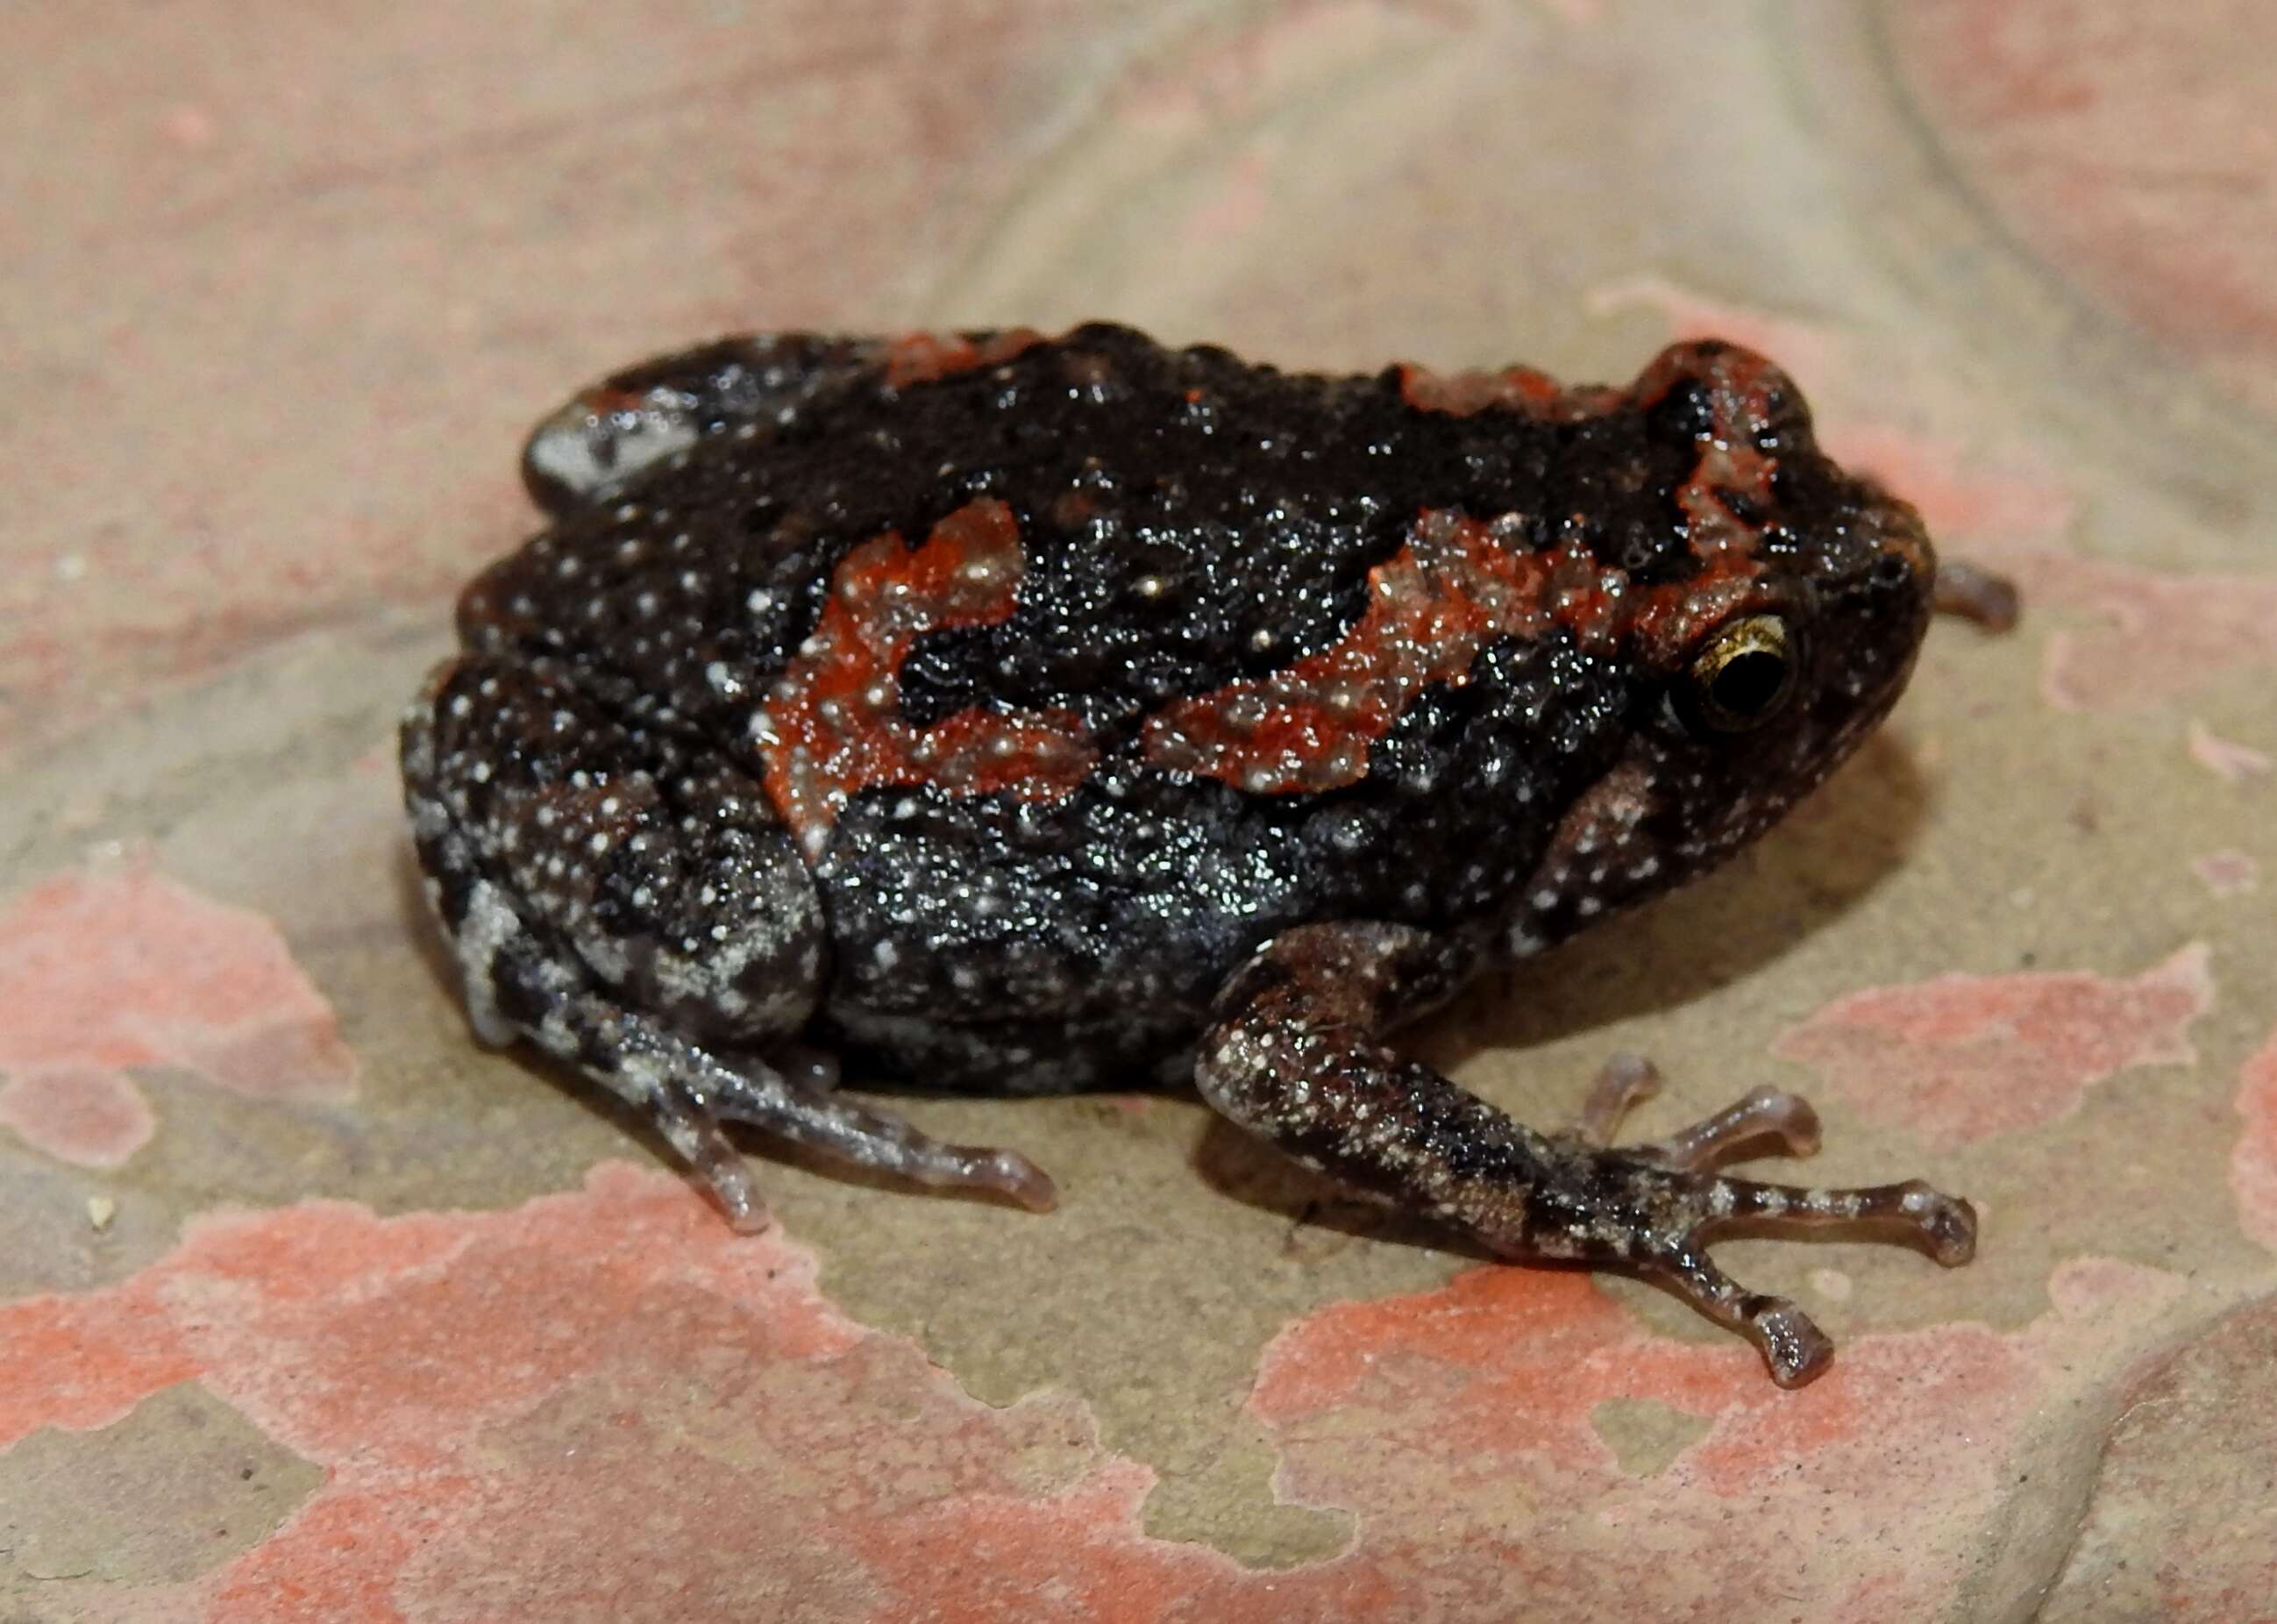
(1748, 682)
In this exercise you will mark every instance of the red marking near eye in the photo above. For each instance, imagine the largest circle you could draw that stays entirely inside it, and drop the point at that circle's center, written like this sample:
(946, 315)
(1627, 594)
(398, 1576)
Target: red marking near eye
(1458, 584)
(1672, 618)
(1461, 583)
(1739, 386)
(833, 726)
(927, 357)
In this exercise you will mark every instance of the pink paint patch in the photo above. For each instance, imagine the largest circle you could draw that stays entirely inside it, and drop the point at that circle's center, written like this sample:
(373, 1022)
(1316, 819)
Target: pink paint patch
(1577, 13)
(2123, 148)
(90, 1117)
(2228, 873)
(1961, 1058)
(109, 968)
(2253, 1164)
(188, 128)
(2166, 635)
(604, 1404)
(2226, 759)
(1463, 1425)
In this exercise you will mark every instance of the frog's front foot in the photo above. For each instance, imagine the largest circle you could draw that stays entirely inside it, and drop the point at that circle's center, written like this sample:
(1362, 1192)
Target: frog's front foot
(1294, 1059)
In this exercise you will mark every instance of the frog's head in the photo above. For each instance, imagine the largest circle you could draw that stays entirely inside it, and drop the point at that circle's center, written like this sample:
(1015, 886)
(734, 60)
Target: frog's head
(1773, 631)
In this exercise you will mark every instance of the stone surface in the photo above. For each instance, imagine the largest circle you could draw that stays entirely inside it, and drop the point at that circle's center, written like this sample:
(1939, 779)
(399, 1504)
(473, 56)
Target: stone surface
(286, 284)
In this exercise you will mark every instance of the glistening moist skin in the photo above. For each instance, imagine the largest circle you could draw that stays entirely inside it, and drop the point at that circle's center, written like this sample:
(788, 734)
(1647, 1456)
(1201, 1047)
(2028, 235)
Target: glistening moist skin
(1020, 714)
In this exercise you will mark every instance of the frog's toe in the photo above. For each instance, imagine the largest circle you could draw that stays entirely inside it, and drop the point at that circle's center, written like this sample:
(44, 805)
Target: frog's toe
(1669, 1215)
(1012, 1174)
(1796, 1352)
(1626, 1081)
(1973, 594)
(1940, 1226)
(1762, 1119)
(759, 1096)
(691, 1127)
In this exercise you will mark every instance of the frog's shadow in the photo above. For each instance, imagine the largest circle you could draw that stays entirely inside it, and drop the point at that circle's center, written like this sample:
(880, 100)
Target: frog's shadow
(1806, 874)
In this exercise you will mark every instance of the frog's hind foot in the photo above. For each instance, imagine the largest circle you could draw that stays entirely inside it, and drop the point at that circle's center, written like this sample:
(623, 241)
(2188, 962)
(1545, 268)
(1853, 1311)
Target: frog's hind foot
(692, 1095)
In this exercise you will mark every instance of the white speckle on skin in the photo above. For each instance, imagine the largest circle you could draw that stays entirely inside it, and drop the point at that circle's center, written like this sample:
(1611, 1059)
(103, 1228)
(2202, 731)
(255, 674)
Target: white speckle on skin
(489, 925)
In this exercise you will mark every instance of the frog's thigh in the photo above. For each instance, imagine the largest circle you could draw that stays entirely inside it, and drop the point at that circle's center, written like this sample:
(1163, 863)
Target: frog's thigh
(673, 885)
(620, 911)
(1294, 1058)
(584, 450)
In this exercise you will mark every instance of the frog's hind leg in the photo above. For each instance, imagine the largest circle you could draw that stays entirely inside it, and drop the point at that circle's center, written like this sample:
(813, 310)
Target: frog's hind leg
(644, 919)
(690, 1091)
(1295, 1058)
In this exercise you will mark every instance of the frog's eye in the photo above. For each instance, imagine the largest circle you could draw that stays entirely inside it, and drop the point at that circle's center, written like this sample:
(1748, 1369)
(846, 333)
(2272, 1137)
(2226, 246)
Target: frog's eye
(1742, 678)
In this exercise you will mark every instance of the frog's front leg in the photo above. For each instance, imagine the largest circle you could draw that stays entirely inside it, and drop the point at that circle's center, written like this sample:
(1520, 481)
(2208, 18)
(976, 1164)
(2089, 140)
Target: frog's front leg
(1295, 1058)
(644, 919)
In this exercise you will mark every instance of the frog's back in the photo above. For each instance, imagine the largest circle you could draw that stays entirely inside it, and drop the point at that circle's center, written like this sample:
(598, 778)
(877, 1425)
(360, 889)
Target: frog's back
(1079, 670)
(1183, 519)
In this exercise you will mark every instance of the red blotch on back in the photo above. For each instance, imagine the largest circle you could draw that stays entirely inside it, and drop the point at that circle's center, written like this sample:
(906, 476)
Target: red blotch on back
(832, 725)
(1517, 389)
(928, 357)
(1456, 586)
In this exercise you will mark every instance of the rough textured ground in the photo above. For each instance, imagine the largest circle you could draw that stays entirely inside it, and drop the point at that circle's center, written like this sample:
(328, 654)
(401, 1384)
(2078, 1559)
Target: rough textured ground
(310, 1311)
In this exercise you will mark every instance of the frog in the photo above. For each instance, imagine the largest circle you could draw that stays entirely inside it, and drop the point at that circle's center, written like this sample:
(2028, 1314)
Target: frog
(1007, 713)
